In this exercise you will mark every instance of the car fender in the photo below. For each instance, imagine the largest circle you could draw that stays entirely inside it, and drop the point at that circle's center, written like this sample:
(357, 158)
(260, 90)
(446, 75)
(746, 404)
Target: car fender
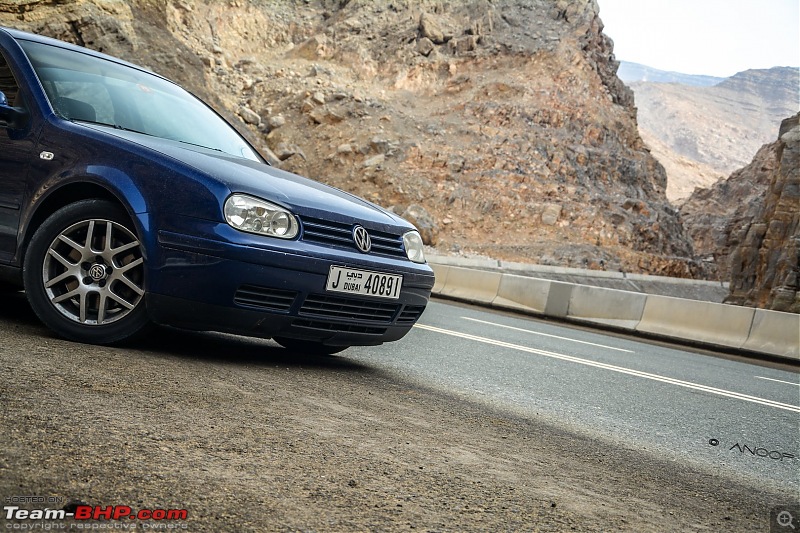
(144, 185)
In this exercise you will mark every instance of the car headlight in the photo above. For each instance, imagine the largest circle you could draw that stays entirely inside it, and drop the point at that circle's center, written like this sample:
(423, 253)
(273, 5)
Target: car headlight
(253, 215)
(413, 245)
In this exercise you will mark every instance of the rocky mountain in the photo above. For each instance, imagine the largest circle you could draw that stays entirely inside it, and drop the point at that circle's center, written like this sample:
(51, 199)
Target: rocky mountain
(498, 127)
(750, 224)
(701, 134)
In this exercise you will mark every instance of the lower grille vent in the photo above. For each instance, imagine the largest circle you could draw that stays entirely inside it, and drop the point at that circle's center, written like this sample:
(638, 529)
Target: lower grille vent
(264, 298)
(410, 314)
(348, 308)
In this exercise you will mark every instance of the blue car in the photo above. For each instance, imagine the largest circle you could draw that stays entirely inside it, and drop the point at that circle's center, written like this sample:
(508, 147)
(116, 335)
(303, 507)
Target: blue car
(126, 201)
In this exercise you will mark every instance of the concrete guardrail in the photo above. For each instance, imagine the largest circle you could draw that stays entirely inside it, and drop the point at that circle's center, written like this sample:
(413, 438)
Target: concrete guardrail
(609, 307)
(775, 333)
(719, 325)
(710, 323)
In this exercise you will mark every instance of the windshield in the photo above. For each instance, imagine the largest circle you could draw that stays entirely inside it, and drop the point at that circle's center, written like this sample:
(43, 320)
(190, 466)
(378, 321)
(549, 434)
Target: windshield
(85, 88)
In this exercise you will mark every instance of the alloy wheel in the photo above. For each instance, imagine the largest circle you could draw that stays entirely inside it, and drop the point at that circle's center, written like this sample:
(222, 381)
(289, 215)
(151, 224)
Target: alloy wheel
(93, 272)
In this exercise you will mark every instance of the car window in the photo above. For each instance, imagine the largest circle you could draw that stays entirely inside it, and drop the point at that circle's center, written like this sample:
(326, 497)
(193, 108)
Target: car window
(81, 100)
(8, 84)
(83, 87)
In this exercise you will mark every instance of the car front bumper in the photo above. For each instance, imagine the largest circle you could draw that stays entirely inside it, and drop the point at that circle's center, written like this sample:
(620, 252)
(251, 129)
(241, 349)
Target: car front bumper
(210, 285)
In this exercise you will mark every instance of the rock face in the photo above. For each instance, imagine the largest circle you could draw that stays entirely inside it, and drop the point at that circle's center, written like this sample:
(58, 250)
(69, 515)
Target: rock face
(711, 215)
(750, 223)
(703, 133)
(506, 119)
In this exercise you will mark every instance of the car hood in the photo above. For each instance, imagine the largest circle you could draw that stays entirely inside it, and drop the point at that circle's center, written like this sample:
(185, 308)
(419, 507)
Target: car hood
(300, 195)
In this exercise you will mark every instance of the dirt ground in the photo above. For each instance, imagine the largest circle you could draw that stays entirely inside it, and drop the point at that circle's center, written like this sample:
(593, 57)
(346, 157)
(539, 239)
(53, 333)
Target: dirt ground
(247, 436)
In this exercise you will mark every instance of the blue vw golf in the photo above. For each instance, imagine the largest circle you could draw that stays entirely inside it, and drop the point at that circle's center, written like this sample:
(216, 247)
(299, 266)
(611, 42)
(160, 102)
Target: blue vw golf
(126, 201)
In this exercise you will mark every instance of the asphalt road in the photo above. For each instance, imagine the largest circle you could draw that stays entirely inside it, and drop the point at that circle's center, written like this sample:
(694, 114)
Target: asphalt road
(730, 414)
(476, 421)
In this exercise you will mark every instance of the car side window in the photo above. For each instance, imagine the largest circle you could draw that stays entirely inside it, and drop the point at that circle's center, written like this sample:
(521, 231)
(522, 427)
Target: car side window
(8, 84)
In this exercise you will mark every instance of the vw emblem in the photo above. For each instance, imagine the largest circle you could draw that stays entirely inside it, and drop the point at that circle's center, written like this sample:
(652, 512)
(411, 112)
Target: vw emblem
(97, 272)
(361, 238)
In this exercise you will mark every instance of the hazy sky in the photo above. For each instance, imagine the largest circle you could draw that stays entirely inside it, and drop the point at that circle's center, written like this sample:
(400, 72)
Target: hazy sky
(713, 37)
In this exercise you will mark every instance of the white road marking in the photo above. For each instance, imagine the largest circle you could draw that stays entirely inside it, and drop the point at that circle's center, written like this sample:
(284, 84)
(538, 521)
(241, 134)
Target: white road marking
(779, 381)
(614, 368)
(545, 334)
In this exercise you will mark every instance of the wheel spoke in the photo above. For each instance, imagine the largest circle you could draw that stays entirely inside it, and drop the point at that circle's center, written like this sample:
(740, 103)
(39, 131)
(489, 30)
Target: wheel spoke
(84, 303)
(124, 248)
(66, 240)
(120, 301)
(107, 246)
(67, 296)
(64, 262)
(133, 286)
(101, 308)
(130, 265)
(89, 235)
(61, 277)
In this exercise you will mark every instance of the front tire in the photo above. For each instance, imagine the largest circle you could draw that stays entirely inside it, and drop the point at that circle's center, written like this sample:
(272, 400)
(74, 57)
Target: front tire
(84, 274)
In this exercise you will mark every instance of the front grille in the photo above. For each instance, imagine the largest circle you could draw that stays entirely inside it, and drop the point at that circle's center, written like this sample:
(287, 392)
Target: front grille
(338, 328)
(410, 314)
(387, 244)
(341, 235)
(318, 305)
(328, 233)
(264, 298)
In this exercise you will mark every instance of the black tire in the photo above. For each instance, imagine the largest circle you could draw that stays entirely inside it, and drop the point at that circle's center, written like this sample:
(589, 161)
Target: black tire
(84, 274)
(308, 347)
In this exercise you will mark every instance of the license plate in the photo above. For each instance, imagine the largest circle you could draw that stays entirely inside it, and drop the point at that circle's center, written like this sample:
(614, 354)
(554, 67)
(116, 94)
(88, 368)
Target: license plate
(364, 282)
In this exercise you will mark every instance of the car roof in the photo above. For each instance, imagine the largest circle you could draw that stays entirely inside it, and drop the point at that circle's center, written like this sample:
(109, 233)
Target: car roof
(26, 36)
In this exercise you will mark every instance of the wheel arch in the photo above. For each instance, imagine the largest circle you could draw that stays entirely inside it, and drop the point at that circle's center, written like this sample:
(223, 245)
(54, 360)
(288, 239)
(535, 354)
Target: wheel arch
(67, 194)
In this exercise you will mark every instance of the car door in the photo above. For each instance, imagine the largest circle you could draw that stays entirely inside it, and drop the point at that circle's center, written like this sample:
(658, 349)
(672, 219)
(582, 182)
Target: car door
(16, 149)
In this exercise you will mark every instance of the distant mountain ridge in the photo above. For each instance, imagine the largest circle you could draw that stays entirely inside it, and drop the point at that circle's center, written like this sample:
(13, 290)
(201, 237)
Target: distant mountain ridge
(703, 133)
(777, 84)
(633, 72)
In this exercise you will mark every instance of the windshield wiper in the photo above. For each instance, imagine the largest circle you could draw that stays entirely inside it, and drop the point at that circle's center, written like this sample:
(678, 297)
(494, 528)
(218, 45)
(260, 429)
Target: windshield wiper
(123, 128)
(115, 126)
(201, 146)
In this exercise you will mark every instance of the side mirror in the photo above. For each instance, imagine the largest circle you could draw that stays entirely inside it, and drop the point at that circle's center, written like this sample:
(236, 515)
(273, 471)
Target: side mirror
(11, 117)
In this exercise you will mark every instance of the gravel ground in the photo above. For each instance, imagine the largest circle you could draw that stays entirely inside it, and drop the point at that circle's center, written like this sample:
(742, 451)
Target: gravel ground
(247, 436)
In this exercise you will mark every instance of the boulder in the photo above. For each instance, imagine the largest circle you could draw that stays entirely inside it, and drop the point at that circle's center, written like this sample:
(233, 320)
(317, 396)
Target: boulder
(431, 28)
